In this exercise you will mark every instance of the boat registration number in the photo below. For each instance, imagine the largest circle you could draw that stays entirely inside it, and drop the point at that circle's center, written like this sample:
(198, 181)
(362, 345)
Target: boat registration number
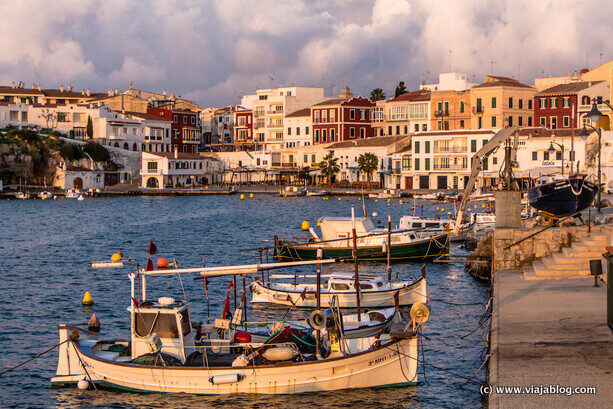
(382, 359)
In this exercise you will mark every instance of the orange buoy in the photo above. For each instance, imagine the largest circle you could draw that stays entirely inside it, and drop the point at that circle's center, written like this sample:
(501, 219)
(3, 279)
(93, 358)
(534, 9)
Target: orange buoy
(93, 324)
(162, 263)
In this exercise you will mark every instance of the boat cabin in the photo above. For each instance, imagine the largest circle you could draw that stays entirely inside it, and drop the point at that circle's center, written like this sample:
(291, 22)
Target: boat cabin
(169, 320)
(416, 222)
(340, 283)
(342, 227)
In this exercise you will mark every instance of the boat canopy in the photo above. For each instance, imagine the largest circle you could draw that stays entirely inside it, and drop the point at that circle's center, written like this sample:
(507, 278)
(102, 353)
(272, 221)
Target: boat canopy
(340, 227)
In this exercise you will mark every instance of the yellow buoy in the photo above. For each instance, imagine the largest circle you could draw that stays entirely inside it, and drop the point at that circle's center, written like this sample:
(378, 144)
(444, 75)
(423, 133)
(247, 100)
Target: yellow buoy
(469, 209)
(483, 206)
(442, 209)
(242, 196)
(376, 200)
(87, 299)
(318, 223)
(475, 205)
(116, 257)
(437, 209)
(251, 195)
(305, 226)
(340, 198)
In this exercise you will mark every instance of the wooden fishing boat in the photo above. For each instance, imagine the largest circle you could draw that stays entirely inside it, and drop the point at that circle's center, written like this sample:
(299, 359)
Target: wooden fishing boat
(372, 243)
(163, 353)
(560, 196)
(374, 292)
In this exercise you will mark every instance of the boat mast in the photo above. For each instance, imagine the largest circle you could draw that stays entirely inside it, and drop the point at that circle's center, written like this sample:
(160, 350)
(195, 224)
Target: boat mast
(355, 263)
(318, 333)
(389, 248)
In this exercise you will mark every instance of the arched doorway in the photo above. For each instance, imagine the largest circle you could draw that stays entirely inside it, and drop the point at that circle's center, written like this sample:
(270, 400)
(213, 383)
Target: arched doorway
(125, 146)
(134, 148)
(77, 183)
(152, 183)
(116, 145)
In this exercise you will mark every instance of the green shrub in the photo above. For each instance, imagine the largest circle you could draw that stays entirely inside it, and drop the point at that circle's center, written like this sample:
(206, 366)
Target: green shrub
(97, 152)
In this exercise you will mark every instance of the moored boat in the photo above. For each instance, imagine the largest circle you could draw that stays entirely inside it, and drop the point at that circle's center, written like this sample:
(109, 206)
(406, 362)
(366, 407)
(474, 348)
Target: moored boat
(560, 196)
(289, 191)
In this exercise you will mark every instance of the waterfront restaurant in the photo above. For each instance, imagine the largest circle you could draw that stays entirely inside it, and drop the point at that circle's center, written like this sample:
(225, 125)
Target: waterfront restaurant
(178, 170)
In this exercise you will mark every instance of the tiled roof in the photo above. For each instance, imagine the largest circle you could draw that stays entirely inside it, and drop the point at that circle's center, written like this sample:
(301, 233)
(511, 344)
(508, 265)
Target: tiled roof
(570, 88)
(300, 113)
(456, 133)
(494, 81)
(541, 132)
(56, 93)
(4, 89)
(330, 101)
(180, 155)
(419, 95)
(150, 117)
(375, 141)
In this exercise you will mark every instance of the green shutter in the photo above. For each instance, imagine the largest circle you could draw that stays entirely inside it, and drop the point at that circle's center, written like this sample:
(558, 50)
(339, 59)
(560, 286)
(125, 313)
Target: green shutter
(416, 146)
(484, 163)
(473, 146)
(416, 161)
(494, 102)
(427, 164)
(427, 147)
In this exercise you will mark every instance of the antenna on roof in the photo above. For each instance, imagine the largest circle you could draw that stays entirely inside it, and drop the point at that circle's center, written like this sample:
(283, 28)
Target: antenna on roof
(492, 66)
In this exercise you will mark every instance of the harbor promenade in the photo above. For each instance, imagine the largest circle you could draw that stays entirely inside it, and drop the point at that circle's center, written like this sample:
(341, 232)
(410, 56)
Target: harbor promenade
(549, 333)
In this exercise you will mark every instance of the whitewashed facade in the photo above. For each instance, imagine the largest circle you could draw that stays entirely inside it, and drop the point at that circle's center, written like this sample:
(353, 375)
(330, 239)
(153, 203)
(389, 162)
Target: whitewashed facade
(173, 169)
(14, 114)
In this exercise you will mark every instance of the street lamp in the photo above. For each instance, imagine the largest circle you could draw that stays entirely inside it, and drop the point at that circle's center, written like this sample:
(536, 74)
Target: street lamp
(552, 150)
(594, 115)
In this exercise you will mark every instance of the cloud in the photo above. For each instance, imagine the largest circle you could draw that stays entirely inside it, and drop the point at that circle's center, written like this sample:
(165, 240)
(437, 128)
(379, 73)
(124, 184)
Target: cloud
(215, 50)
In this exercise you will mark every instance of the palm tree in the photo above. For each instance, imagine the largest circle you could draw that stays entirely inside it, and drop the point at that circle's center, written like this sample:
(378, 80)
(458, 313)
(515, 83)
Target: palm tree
(329, 166)
(368, 163)
(377, 94)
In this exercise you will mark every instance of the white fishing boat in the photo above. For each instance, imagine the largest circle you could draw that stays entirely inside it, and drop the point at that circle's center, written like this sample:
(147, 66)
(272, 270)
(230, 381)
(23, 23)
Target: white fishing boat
(428, 196)
(316, 192)
(375, 291)
(162, 353)
(73, 193)
(22, 195)
(289, 191)
(80, 198)
(483, 221)
(386, 194)
(45, 195)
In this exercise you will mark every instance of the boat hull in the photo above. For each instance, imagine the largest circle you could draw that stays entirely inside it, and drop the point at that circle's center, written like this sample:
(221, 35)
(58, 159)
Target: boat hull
(425, 249)
(393, 363)
(407, 295)
(563, 198)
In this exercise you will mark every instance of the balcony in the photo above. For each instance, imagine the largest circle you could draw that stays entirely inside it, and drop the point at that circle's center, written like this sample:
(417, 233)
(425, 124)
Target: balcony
(275, 125)
(440, 166)
(258, 114)
(586, 108)
(275, 112)
(450, 149)
(478, 110)
(441, 113)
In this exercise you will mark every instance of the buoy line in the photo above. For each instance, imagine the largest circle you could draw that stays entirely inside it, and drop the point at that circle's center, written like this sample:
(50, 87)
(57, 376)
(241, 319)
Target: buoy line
(34, 357)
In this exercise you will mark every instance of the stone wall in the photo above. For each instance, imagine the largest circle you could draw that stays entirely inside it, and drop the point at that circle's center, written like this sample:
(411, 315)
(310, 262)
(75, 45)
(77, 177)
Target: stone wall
(541, 245)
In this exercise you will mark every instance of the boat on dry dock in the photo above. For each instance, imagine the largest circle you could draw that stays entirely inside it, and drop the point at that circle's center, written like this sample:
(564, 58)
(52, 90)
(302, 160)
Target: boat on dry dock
(165, 354)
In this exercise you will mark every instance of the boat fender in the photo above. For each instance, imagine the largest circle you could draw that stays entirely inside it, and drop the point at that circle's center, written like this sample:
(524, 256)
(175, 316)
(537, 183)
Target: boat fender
(317, 319)
(83, 384)
(241, 360)
(154, 343)
(419, 314)
(225, 378)
(281, 352)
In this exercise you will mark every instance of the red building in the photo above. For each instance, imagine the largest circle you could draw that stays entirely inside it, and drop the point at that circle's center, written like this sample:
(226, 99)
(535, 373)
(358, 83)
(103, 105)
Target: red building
(561, 106)
(184, 130)
(339, 119)
(243, 129)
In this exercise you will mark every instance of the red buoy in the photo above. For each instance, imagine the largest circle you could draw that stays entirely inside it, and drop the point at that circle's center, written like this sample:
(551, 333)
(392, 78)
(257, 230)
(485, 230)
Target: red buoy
(241, 337)
(162, 263)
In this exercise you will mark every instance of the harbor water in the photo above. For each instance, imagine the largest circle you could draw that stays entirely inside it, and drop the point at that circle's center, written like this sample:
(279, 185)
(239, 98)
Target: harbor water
(45, 252)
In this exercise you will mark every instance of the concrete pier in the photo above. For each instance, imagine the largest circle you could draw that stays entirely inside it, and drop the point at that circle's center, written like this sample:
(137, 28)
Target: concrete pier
(551, 332)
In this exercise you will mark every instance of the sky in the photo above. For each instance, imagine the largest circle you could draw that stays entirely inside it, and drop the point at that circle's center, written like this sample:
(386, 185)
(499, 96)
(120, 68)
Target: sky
(214, 52)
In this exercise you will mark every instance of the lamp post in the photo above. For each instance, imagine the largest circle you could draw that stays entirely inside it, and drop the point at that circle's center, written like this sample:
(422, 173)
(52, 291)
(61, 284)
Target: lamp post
(594, 115)
(552, 150)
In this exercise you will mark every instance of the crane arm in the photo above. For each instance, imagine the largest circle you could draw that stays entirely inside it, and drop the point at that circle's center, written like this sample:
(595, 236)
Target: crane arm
(485, 151)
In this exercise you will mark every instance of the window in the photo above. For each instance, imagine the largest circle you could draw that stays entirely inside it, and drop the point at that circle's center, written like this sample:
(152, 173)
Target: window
(554, 103)
(362, 114)
(416, 149)
(520, 121)
(529, 104)
(494, 160)
(543, 103)
(193, 119)
(340, 287)
(305, 159)
(165, 325)
(352, 114)
(324, 135)
(184, 119)
(534, 155)
(479, 105)
(479, 123)
(152, 165)
(427, 149)
(416, 127)
(546, 155)
(406, 129)
(416, 162)
(510, 102)
(352, 132)
(543, 122)
(332, 135)
(397, 129)
(558, 155)
(306, 130)
(316, 116)
(554, 122)
(424, 127)
(510, 121)
(332, 115)
(175, 119)
(520, 103)
(494, 102)
(529, 121)
(566, 121)
(462, 104)
(493, 121)
(362, 133)
(566, 102)
(461, 123)
(485, 167)
(473, 146)
(316, 135)
(427, 164)
(297, 130)
(389, 130)
(483, 142)
(289, 130)
(312, 158)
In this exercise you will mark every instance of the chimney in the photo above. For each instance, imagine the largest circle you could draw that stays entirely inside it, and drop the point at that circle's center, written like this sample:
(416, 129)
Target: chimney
(164, 92)
(176, 152)
(20, 84)
(33, 86)
(69, 87)
(62, 88)
(172, 96)
(39, 88)
(88, 92)
(116, 91)
(83, 92)
(109, 92)
(13, 84)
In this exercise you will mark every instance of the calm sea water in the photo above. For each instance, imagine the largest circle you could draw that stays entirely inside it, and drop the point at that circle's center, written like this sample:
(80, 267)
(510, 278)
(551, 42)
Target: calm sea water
(46, 248)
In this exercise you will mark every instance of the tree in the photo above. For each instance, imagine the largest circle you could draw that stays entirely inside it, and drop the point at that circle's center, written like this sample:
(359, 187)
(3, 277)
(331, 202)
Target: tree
(71, 152)
(50, 117)
(97, 152)
(368, 163)
(400, 89)
(329, 166)
(90, 127)
(304, 174)
(377, 94)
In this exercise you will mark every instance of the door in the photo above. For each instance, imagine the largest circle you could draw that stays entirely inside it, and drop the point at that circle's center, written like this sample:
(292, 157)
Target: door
(442, 182)
(408, 182)
(424, 182)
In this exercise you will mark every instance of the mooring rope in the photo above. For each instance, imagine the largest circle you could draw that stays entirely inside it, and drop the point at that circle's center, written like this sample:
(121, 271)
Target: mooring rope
(34, 357)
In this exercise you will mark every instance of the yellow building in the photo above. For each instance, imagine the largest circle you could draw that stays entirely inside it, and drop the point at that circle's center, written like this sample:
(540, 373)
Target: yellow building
(450, 110)
(501, 102)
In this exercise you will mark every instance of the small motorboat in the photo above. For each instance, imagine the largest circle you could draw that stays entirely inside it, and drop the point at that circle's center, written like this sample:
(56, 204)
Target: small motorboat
(80, 198)
(45, 195)
(292, 191)
(426, 227)
(316, 192)
(73, 193)
(386, 194)
(22, 195)
(560, 196)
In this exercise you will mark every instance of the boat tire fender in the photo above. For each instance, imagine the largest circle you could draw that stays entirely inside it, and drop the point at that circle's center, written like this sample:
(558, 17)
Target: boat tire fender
(317, 320)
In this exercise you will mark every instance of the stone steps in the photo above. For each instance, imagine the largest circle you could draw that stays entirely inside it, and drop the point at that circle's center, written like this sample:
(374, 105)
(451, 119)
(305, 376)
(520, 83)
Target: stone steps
(571, 262)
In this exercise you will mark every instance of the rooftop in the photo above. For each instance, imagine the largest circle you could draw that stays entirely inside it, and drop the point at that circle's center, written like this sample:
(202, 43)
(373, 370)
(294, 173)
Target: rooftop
(419, 95)
(300, 113)
(180, 155)
(495, 81)
(149, 117)
(368, 142)
(570, 88)
(541, 132)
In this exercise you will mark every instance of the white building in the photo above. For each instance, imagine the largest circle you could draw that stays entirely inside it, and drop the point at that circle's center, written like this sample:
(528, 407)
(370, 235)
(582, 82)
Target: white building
(298, 127)
(450, 81)
(270, 106)
(14, 114)
(173, 169)
(70, 119)
(133, 131)
(79, 177)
